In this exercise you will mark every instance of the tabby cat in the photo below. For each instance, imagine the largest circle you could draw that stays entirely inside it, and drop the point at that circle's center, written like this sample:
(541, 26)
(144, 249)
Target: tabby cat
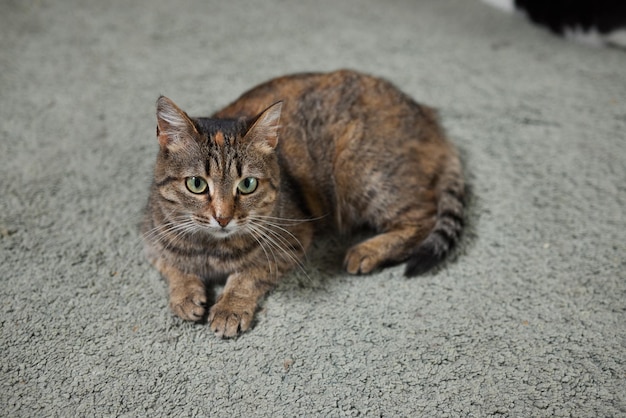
(240, 195)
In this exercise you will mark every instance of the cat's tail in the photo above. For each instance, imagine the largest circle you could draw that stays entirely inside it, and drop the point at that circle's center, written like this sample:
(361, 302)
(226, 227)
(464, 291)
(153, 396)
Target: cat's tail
(447, 231)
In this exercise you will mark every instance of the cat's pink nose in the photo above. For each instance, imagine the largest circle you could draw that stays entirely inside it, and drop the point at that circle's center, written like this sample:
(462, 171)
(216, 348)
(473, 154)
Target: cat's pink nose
(223, 221)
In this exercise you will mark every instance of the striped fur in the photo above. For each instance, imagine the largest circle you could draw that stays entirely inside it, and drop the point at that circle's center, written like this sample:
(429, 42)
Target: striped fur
(240, 194)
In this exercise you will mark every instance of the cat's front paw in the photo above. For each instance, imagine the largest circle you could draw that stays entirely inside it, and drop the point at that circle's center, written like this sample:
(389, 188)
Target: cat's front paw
(189, 302)
(230, 316)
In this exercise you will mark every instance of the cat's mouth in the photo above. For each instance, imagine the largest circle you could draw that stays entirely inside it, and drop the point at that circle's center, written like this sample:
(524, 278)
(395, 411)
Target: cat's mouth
(215, 229)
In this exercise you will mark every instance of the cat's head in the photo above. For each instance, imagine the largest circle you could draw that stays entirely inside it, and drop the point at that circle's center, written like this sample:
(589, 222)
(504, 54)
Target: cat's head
(216, 176)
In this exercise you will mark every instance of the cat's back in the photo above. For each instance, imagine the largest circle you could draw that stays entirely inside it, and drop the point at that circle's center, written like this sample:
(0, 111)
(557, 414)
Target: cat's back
(321, 108)
(337, 126)
(313, 93)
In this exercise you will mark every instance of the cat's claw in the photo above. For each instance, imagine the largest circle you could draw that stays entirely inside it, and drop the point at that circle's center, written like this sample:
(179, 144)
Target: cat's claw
(228, 318)
(189, 304)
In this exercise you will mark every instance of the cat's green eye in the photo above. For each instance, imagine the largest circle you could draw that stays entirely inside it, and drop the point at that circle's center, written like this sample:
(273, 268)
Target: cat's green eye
(247, 185)
(196, 185)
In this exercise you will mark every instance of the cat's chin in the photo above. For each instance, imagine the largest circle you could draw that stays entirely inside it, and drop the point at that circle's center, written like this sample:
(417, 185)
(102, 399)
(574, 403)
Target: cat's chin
(224, 233)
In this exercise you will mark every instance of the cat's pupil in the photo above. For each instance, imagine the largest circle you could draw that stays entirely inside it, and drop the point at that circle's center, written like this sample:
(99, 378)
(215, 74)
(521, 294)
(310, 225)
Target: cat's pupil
(196, 185)
(247, 185)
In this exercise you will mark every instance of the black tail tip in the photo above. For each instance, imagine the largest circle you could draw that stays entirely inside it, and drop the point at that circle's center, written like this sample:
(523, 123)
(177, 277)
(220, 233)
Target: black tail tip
(425, 258)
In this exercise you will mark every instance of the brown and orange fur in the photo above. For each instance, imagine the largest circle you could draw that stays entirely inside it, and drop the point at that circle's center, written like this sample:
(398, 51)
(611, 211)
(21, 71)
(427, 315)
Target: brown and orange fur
(341, 150)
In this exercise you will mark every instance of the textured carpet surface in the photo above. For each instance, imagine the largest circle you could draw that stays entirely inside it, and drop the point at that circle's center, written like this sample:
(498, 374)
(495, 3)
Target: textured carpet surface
(529, 319)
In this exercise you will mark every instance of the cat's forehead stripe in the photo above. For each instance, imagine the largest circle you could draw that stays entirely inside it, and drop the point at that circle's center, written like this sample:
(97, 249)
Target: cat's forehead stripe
(219, 138)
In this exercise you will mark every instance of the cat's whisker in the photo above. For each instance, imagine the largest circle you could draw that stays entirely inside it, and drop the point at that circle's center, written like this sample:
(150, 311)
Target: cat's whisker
(280, 243)
(161, 231)
(279, 227)
(277, 236)
(284, 254)
(285, 221)
(157, 232)
(170, 221)
(258, 237)
(173, 230)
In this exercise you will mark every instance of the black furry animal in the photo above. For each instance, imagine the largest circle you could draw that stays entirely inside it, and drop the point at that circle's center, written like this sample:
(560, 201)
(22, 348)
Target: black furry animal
(594, 22)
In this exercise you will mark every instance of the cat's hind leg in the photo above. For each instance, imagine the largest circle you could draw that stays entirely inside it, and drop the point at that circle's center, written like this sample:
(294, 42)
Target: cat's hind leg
(393, 245)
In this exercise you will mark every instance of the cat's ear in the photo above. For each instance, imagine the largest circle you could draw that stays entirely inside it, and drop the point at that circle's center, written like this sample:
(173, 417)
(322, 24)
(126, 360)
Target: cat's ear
(265, 128)
(173, 125)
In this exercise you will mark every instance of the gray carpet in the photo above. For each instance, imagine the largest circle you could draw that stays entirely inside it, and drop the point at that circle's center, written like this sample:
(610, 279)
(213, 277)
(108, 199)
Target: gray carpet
(527, 320)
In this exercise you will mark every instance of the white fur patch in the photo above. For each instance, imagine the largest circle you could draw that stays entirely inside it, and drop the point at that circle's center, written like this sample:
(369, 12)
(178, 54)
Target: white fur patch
(594, 38)
(617, 37)
(506, 5)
